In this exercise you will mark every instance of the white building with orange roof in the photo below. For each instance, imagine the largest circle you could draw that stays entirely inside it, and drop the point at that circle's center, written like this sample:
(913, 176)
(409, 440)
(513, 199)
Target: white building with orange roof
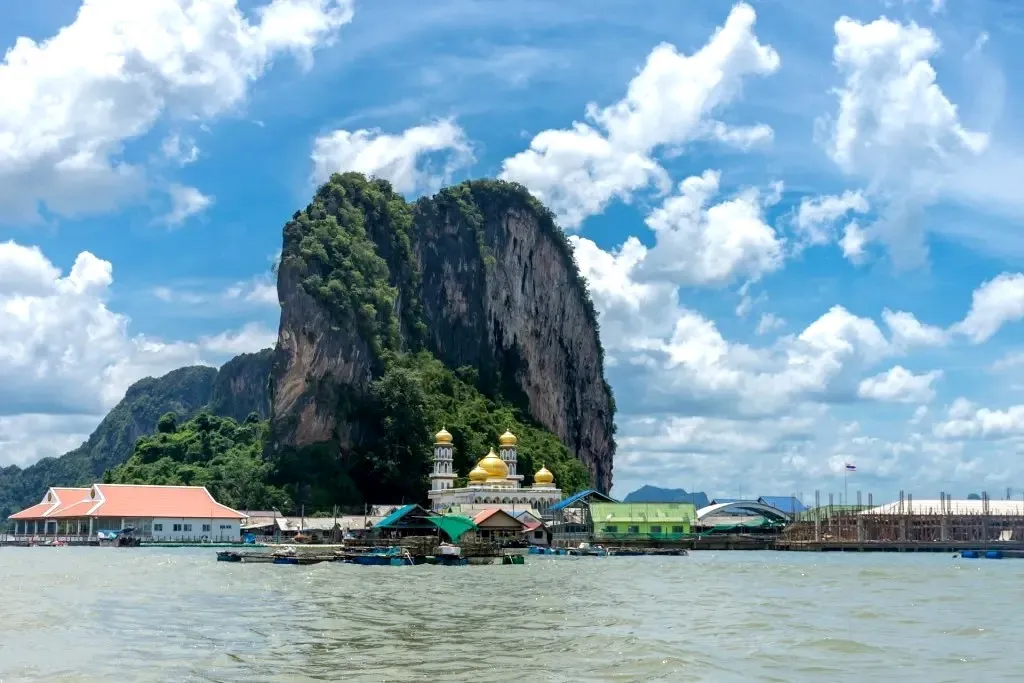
(156, 513)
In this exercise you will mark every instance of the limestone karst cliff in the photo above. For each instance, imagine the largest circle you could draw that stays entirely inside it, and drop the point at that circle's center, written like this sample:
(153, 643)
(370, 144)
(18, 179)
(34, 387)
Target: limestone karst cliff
(477, 276)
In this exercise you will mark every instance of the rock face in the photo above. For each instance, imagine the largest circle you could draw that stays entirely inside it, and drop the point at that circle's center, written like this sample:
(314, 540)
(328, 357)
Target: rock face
(481, 277)
(241, 386)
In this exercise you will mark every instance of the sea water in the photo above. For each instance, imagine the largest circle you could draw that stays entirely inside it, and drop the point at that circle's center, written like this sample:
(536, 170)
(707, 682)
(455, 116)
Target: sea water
(109, 614)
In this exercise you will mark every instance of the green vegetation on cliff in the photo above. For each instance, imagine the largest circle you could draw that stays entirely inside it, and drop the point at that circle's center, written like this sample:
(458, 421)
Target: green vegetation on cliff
(352, 250)
(403, 409)
(216, 452)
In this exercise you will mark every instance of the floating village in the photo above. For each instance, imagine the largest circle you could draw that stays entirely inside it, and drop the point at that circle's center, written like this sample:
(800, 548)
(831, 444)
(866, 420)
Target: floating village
(495, 519)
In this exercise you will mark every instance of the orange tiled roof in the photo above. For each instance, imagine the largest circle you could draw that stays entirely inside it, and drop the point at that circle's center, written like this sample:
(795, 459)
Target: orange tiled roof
(55, 498)
(484, 515)
(122, 500)
(129, 500)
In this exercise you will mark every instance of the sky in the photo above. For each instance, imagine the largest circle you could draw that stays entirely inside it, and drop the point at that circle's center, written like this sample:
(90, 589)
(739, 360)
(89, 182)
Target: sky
(801, 221)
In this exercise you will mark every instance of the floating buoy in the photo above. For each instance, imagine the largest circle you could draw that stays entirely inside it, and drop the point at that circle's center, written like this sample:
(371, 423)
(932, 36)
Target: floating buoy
(969, 554)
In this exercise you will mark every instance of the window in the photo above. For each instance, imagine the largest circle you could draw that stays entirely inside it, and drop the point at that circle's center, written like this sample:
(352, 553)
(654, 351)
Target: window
(188, 527)
(158, 527)
(633, 530)
(206, 527)
(612, 529)
(656, 529)
(677, 530)
(177, 527)
(225, 526)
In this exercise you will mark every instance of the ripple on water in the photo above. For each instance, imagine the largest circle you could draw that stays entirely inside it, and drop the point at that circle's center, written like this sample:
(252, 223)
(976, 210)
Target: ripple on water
(178, 615)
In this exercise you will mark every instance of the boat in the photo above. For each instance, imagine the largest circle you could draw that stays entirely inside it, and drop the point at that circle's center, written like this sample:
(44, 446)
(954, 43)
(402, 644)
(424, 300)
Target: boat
(513, 559)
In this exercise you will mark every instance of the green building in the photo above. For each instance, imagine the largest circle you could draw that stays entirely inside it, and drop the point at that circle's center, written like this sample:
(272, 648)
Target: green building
(641, 521)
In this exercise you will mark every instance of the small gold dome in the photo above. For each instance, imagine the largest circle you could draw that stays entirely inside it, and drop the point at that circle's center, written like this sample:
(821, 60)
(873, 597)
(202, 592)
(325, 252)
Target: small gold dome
(478, 474)
(543, 477)
(443, 437)
(507, 439)
(494, 466)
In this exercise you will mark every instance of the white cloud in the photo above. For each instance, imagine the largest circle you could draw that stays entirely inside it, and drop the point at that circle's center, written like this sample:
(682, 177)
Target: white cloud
(908, 332)
(578, 171)
(64, 352)
(899, 385)
(853, 242)
(966, 421)
(404, 159)
(74, 101)
(185, 203)
(769, 323)
(994, 303)
(252, 337)
(182, 151)
(257, 291)
(26, 438)
(700, 245)
(895, 127)
(817, 216)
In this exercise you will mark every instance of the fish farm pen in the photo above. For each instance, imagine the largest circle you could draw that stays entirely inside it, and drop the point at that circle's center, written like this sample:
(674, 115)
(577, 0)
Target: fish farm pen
(939, 525)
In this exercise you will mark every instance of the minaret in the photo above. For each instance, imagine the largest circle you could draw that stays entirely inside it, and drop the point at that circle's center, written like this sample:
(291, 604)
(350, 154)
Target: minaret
(443, 475)
(508, 450)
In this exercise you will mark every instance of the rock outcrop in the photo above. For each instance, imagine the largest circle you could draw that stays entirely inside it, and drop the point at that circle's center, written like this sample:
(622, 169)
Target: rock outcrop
(479, 275)
(241, 386)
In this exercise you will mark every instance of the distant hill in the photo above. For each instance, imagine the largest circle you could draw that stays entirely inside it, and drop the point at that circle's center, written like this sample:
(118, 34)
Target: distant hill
(240, 387)
(654, 494)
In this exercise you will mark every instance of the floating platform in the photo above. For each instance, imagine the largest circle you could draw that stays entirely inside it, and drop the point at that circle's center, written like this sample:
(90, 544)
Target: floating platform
(384, 559)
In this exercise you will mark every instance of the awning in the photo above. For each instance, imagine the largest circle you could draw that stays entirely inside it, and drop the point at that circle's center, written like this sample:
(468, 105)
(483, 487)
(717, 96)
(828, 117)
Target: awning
(453, 525)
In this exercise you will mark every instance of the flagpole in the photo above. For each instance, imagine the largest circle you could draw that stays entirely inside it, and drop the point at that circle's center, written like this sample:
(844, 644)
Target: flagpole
(846, 494)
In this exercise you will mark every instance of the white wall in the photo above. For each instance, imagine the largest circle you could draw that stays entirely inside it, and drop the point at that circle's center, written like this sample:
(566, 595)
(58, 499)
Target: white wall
(213, 530)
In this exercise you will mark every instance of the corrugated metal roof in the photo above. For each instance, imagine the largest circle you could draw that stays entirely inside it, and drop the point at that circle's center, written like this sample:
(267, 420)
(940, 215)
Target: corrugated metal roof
(716, 501)
(790, 504)
(576, 497)
(642, 512)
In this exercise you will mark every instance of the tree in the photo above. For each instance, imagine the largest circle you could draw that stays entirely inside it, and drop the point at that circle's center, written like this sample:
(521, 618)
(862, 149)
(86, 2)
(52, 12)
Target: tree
(167, 424)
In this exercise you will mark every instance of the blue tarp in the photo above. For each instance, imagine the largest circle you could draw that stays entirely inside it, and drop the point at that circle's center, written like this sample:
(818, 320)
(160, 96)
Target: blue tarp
(788, 504)
(576, 497)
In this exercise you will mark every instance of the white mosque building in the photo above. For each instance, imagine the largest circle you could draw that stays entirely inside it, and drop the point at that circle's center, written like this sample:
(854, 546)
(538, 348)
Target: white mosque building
(494, 480)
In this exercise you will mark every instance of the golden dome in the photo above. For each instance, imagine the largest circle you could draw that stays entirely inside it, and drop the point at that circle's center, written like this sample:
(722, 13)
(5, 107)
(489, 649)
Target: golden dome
(478, 474)
(507, 439)
(494, 466)
(443, 437)
(543, 477)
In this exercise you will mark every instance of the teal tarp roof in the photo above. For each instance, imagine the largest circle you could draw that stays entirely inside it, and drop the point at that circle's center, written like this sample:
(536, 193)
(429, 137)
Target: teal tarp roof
(453, 525)
(396, 515)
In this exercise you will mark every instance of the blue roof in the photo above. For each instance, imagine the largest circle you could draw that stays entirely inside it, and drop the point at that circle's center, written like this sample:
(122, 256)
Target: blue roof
(396, 515)
(577, 497)
(716, 501)
(790, 504)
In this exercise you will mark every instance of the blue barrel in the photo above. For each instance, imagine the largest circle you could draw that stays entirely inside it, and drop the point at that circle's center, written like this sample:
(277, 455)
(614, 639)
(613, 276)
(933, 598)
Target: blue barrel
(993, 554)
(969, 554)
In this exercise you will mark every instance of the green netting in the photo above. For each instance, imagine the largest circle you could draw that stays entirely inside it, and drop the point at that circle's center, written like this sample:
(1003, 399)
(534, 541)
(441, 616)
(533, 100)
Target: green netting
(453, 525)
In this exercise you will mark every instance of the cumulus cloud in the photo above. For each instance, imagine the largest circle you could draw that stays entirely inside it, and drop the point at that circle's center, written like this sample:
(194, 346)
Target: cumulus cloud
(186, 202)
(64, 351)
(578, 171)
(909, 332)
(73, 102)
(701, 245)
(993, 304)
(816, 217)
(407, 160)
(899, 385)
(967, 421)
(895, 128)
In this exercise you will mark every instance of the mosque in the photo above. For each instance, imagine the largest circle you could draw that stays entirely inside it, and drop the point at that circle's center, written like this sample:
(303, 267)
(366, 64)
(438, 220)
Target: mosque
(494, 480)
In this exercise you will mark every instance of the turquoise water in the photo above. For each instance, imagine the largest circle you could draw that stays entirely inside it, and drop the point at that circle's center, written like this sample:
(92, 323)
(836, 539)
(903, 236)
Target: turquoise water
(107, 614)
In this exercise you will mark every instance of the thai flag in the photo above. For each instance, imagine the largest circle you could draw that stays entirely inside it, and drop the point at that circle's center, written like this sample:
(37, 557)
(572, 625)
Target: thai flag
(851, 468)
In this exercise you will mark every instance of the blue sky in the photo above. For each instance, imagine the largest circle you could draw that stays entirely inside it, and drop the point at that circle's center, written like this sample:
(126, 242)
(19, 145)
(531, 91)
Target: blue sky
(836, 281)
